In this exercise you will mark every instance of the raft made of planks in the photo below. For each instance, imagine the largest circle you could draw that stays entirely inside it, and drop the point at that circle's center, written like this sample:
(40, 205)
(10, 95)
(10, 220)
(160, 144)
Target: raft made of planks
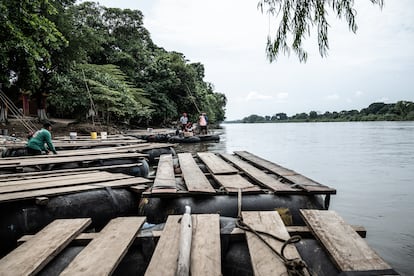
(228, 174)
(105, 250)
(15, 189)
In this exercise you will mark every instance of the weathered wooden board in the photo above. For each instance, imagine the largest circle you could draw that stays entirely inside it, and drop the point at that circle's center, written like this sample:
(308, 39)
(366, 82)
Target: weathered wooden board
(55, 159)
(258, 175)
(347, 249)
(60, 181)
(165, 178)
(234, 182)
(194, 178)
(215, 164)
(205, 246)
(265, 164)
(30, 257)
(264, 261)
(165, 256)
(71, 189)
(294, 177)
(42, 174)
(38, 175)
(102, 255)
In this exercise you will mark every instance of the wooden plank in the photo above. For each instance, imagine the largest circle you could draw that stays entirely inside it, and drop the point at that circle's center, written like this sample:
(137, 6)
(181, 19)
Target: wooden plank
(215, 164)
(205, 247)
(264, 261)
(348, 250)
(71, 180)
(305, 232)
(164, 259)
(71, 189)
(165, 178)
(55, 159)
(265, 164)
(194, 178)
(36, 175)
(302, 231)
(259, 176)
(294, 177)
(234, 182)
(102, 255)
(30, 257)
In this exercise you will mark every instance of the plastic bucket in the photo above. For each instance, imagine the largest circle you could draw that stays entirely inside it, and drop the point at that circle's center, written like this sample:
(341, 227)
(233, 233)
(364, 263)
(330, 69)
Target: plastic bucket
(94, 135)
(104, 135)
(73, 135)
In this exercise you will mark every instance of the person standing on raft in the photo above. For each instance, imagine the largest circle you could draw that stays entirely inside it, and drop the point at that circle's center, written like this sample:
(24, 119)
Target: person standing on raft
(40, 138)
(202, 122)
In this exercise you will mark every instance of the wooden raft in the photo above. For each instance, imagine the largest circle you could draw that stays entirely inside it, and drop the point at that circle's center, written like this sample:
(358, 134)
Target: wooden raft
(53, 185)
(230, 173)
(106, 249)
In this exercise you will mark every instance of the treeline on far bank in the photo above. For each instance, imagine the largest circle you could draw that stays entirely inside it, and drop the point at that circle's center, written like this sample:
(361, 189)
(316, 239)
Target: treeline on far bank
(400, 111)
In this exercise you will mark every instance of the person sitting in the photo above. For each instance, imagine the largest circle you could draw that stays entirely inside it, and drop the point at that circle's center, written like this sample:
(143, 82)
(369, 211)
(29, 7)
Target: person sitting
(183, 121)
(37, 143)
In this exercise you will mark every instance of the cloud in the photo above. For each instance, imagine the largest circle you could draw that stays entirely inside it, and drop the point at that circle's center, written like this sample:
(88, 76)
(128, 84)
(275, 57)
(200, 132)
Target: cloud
(332, 97)
(383, 100)
(358, 94)
(254, 96)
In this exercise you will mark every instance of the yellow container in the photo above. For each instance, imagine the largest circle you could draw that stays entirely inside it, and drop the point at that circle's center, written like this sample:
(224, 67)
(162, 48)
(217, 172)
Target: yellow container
(94, 135)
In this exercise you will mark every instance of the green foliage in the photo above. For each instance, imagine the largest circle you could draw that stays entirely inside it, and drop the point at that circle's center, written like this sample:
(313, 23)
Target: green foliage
(27, 37)
(400, 111)
(112, 94)
(296, 18)
(47, 46)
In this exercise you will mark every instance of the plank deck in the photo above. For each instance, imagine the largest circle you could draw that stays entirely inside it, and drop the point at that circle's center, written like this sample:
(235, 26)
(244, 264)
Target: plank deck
(71, 189)
(30, 257)
(60, 181)
(264, 261)
(205, 246)
(165, 178)
(55, 159)
(165, 256)
(102, 255)
(215, 164)
(194, 178)
(233, 182)
(294, 177)
(259, 176)
(346, 248)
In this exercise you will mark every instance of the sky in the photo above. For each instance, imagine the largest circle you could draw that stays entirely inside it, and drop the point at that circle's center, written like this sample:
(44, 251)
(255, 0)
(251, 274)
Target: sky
(229, 37)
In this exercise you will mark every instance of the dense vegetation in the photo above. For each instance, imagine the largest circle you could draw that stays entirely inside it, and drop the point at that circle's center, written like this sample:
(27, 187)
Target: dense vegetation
(85, 60)
(400, 111)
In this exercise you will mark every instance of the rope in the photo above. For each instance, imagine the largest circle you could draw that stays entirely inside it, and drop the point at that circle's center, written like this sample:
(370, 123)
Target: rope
(192, 98)
(16, 112)
(295, 266)
(93, 108)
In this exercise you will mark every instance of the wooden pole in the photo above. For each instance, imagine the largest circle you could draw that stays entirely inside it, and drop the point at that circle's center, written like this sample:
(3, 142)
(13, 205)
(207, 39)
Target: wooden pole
(183, 268)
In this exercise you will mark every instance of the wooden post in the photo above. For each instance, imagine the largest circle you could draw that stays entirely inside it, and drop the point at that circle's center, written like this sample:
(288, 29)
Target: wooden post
(183, 268)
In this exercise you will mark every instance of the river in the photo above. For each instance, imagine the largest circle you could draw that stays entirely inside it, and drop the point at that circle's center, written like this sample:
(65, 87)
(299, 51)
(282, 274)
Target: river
(371, 164)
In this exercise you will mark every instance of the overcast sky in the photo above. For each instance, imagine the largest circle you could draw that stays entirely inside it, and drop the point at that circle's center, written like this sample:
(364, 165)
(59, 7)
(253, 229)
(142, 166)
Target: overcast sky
(229, 37)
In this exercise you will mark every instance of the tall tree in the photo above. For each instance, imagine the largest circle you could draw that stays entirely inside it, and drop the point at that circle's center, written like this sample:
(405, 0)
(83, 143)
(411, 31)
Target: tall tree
(296, 18)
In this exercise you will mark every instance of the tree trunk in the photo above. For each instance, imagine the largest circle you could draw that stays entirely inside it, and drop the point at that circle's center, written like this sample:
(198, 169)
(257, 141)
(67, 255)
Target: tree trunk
(3, 114)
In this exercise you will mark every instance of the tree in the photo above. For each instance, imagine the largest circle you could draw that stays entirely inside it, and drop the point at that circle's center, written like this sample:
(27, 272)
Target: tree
(27, 38)
(298, 17)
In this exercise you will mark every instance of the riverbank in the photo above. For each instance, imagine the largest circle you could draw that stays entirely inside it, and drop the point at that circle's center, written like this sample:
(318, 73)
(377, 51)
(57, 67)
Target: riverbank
(60, 127)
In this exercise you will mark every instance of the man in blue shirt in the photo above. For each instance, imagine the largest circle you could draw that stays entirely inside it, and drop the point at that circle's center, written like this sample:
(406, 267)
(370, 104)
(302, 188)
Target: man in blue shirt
(41, 138)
